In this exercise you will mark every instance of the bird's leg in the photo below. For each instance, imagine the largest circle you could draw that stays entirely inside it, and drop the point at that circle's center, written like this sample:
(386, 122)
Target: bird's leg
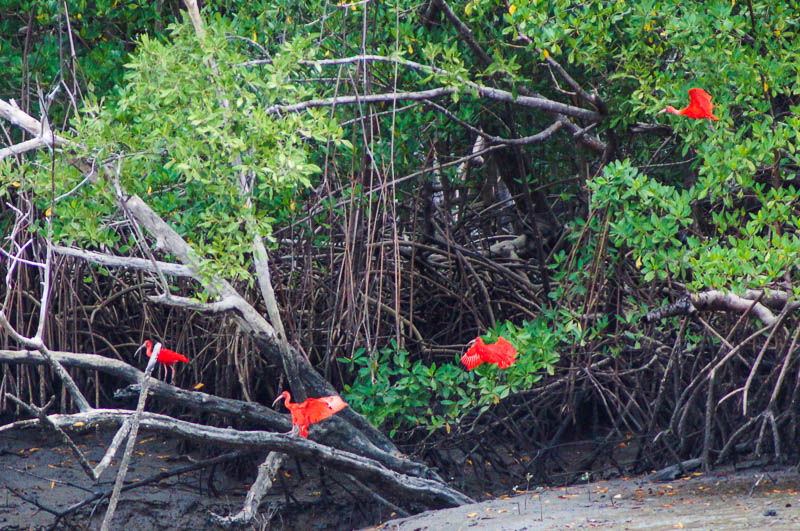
(172, 367)
(295, 430)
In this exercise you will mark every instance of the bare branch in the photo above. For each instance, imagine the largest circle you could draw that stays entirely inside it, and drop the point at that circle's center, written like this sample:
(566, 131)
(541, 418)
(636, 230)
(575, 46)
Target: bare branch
(334, 432)
(11, 112)
(714, 300)
(23, 147)
(110, 260)
(224, 305)
(36, 343)
(486, 92)
(522, 141)
(267, 471)
(41, 414)
(194, 15)
(430, 492)
(134, 430)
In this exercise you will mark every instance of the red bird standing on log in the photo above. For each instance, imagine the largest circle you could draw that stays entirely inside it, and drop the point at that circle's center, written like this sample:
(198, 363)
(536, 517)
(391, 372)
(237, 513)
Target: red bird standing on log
(166, 357)
(502, 353)
(699, 107)
(311, 411)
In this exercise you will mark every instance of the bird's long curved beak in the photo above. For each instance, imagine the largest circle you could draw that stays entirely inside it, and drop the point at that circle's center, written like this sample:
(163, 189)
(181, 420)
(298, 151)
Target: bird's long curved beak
(278, 399)
(138, 350)
(662, 111)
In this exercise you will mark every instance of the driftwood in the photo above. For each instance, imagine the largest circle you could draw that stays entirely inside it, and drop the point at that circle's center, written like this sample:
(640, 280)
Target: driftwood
(267, 471)
(407, 488)
(327, 432)
(675, 471)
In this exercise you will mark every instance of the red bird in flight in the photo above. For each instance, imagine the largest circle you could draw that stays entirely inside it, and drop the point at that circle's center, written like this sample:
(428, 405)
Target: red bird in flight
(699, 106)
(502, 353)
(311, 411)
(166, 357)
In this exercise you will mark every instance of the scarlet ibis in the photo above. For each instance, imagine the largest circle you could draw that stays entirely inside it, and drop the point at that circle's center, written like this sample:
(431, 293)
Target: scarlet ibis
(502, 353)
(699, 106)
(166, 357)
(311, 411)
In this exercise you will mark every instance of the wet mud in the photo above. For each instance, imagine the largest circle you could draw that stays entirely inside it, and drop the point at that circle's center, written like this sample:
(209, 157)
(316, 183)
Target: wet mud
(724, 499)
(38, 473)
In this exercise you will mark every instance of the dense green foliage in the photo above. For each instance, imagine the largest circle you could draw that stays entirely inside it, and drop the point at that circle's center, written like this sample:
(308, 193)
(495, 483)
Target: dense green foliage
(394, 390)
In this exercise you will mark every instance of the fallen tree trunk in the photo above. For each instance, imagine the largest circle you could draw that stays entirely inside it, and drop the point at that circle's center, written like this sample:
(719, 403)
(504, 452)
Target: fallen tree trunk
(429, 492)
(329, 432)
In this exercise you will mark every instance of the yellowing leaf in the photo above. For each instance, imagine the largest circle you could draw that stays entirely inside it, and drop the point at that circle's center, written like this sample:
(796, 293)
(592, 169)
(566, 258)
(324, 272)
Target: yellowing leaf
(468, 8)
(199, 386)
(52, 467)
(48, 212)
(472, 515)
(16, 184)
(149, 190)
(766, 87)
(512, 9)
(52, 484)
(410, 49)
(545, 53)
(79, 424)
(447, 428)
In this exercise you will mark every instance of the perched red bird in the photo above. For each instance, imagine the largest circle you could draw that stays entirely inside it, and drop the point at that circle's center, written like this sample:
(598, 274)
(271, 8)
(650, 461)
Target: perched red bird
(311, 411)
(502, 353)
(699, 106)
(166, 357)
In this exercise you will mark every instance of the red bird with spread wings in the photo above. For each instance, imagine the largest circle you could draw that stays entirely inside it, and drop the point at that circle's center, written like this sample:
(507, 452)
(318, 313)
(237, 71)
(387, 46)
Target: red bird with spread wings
(502, 353)
(311, 411)
(699, 107)
(166, 357)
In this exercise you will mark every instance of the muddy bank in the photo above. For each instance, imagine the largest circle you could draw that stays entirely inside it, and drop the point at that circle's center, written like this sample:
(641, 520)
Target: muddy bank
(36, 469)
(725, 499)
(39, 476)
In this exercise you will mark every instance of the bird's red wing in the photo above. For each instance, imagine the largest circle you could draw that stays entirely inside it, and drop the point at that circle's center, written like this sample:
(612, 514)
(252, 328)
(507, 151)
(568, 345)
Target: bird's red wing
(472, 357)
(700, 105)
(317, 409)
(502, 353)
(168, 357)
(700, 97)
